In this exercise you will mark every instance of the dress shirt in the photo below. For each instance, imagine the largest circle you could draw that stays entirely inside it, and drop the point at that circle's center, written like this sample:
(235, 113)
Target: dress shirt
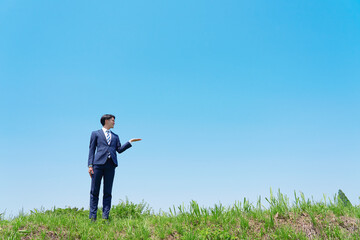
(104, 130)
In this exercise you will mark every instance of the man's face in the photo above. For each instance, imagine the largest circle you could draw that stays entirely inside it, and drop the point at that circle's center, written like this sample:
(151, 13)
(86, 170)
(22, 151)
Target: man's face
(110, 123)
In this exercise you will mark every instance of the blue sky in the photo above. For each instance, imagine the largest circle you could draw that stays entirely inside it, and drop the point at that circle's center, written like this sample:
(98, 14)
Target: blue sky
(230, 97)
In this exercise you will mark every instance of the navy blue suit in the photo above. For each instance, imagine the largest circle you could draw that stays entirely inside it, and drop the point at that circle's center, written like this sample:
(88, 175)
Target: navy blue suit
(104, 162)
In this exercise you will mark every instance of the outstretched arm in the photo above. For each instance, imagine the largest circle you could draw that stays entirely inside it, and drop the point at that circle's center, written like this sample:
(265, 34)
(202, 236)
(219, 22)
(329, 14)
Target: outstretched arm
(121, 148)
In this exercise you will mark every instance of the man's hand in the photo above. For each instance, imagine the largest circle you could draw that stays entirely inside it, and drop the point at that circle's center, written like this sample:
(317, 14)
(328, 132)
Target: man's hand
(91, 171)
(135, 140)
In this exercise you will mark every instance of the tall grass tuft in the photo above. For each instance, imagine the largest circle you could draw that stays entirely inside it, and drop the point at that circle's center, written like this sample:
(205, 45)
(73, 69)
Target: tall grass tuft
(127, 209)
(344, 199)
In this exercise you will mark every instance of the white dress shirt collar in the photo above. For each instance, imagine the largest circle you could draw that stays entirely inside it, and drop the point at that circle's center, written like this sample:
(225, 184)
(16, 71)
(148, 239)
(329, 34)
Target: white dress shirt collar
(104, 130)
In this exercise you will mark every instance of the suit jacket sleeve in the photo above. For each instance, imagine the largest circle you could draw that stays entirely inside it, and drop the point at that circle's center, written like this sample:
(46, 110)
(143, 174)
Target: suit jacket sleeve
(120, 148)
(92, 148)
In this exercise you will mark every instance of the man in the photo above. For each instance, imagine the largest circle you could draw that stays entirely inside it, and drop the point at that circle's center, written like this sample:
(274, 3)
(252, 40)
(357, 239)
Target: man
(102, 164)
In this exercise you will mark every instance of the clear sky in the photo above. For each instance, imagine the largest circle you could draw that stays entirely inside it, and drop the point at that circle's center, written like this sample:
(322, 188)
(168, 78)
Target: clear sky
(230, 98)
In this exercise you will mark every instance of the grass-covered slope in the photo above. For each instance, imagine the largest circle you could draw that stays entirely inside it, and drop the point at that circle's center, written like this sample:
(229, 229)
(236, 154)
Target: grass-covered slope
(303, 219)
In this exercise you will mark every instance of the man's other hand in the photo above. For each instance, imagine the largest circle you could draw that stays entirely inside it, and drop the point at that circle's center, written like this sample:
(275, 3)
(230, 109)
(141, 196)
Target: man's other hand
(91, 171)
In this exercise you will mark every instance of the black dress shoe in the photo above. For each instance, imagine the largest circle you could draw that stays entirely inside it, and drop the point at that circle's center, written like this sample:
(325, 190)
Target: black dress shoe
(93, 219)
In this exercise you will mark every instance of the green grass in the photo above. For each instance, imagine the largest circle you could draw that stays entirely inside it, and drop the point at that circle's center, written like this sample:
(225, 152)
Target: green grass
(302, 219)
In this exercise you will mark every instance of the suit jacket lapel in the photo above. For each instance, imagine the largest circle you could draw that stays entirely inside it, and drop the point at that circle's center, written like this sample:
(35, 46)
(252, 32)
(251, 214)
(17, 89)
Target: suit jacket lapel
(102, 135)
(112, 137)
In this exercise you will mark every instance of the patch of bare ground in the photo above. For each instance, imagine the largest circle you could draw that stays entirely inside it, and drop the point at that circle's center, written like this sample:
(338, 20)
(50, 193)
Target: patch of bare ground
(302, 223)
(174, 235)
(255, 226)
(39, 230)
(314, 226)
(349, 223)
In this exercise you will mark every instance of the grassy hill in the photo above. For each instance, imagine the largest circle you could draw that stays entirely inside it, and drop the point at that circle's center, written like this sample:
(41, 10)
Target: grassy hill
(303, 219)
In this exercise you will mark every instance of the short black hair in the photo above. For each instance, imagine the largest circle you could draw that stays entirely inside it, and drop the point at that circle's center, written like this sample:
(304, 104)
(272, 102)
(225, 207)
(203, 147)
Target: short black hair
(106, 117)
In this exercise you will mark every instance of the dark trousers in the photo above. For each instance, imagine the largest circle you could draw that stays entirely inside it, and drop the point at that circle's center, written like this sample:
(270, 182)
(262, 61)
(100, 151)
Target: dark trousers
(106, 171)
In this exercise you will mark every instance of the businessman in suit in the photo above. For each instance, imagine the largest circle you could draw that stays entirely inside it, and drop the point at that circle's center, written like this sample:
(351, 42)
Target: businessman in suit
(102, 164)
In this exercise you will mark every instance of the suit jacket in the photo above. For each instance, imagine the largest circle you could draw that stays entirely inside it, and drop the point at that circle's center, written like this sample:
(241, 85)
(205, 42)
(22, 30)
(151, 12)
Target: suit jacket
(98, 142)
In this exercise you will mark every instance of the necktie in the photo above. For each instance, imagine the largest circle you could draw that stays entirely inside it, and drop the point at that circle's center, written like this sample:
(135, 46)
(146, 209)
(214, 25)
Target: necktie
(108, 137)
